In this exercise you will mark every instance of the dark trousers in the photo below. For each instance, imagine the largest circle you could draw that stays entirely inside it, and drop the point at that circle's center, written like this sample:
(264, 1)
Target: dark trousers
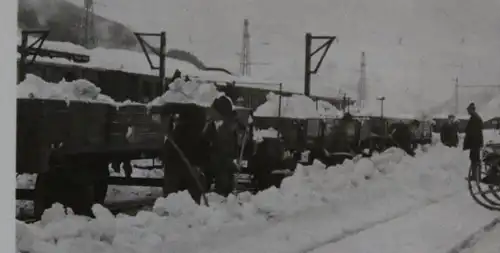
(177, 178)
(475, 159)
(221, 170)
(474, 155)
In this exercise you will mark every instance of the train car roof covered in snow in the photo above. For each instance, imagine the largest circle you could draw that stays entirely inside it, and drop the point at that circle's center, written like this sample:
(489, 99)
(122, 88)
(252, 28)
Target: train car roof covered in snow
(124, 60)
(135, 62)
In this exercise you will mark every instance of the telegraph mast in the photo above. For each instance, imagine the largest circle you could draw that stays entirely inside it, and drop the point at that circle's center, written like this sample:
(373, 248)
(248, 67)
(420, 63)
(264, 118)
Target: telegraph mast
(245, 51)
(89, 39)
(362, 82)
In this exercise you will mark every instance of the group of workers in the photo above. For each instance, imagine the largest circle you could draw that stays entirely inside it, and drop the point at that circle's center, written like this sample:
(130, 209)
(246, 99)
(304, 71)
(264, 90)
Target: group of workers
(210, 143)
(473, 141)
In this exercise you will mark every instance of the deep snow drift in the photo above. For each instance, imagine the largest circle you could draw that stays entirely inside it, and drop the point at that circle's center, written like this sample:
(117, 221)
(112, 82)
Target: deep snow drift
(386, 183)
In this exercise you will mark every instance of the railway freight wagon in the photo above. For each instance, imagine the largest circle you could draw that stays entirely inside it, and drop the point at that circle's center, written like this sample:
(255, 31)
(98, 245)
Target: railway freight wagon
(123, 85)
(70, 146)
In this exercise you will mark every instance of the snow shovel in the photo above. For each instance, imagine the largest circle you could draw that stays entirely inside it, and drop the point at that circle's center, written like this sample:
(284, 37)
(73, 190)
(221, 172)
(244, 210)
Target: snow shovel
(195, 174)
(240, 157)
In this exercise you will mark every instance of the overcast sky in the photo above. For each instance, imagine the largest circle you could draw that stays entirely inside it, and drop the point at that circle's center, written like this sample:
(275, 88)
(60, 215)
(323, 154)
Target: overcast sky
(414, 47)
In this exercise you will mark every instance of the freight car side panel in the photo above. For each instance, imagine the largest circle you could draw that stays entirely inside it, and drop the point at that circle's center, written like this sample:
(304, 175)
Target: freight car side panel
(134, 127)
(41, 125)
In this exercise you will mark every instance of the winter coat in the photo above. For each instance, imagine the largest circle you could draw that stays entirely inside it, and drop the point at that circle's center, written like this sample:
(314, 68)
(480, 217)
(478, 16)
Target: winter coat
(222, 138)
(474, 133)
(449, 134)
(189, 140)
(403, 137)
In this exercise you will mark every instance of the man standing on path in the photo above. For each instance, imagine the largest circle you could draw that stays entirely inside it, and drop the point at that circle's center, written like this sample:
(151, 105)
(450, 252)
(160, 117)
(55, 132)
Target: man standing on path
(474, 137)
(449, 132)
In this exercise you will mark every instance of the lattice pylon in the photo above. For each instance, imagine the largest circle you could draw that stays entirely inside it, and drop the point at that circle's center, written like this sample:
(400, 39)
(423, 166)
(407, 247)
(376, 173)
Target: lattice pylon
(245, 51)
(362, 82)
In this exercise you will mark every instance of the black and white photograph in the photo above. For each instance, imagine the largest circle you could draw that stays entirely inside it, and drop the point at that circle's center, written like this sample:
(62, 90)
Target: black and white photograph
(255, 126)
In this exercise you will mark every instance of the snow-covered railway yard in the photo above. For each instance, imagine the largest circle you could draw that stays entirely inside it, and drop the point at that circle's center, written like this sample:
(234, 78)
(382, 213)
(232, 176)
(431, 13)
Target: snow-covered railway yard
(116, 194)
(389, 203)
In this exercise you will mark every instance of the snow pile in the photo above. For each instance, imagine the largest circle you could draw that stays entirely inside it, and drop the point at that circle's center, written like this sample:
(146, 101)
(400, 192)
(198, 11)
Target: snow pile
(328, 110)
(491, 135)
(115, 193)
(190, 92)
(260, 134)
(79, 90)
(491, 109)
(176, 218)
(295, 106)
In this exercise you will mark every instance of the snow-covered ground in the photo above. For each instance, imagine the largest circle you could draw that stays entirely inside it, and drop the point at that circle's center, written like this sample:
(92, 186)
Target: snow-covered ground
(116, 193)
(312, 208)
(488, 243)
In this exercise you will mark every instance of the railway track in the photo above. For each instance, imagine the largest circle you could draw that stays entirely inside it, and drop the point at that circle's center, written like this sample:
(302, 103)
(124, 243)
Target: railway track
(130, 207)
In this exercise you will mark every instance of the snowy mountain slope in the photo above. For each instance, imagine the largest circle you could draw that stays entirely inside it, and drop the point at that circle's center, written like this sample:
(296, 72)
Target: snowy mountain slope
(416, 46)
(63, 19)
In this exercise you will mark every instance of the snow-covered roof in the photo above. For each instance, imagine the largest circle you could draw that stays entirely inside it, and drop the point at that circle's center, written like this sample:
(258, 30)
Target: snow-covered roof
(190, 92)
(79, 90)
(125, 60)
(297, 107)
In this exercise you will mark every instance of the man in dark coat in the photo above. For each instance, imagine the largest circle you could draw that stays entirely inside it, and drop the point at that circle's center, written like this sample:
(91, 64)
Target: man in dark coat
(221, 134)
(402, 135)
(449, 132)
(187, 134)
(474, 137)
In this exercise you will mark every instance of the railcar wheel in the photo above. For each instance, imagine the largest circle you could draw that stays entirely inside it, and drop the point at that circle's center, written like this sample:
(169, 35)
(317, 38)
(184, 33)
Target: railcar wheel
(42, 195)
(481, 194)
(492, 191)
(101, 184)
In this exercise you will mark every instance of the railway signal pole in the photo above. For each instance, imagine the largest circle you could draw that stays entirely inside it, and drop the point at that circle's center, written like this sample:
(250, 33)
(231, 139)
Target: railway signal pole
(309, 55)
(161, 53)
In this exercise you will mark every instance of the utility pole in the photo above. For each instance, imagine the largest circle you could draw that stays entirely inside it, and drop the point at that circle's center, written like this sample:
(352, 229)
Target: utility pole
(362, 82)
(381, 99)
(245, 51)
(456, 96)
(89, 39)
(309, 55)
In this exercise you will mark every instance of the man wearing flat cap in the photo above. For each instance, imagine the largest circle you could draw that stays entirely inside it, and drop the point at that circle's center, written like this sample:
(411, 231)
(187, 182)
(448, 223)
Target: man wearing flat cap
(474, 137)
